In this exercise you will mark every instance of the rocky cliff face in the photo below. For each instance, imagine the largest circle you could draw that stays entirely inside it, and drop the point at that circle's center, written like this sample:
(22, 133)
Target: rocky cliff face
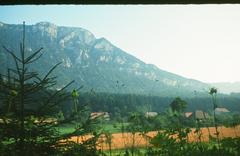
(93, 63)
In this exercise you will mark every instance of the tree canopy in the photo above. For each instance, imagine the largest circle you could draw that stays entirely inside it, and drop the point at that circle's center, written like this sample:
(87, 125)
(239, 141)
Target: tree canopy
(178, 105)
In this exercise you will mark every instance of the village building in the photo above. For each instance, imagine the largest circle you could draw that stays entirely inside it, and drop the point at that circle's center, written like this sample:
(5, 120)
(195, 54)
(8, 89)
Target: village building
(46, 121)
(200, 115)
(220, 111)
(36, 121)
(188, 114)
(150, 114)
(197, 115)
(102, 115)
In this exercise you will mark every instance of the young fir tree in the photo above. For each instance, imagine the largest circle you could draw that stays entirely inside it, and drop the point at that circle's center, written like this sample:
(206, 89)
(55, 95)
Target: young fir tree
(27, 108)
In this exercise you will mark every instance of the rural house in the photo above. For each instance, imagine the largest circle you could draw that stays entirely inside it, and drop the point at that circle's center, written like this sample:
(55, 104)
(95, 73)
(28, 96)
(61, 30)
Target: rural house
(102, 115)
(200, 115)
(220, 111)
(188, 114)
(197, 115)
(150, 114)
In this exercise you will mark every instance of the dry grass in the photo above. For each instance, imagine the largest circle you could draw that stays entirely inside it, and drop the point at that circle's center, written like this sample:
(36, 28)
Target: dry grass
(125, 140)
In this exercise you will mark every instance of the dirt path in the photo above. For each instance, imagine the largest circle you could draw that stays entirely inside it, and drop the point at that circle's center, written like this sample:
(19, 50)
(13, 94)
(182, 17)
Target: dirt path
(120, 141)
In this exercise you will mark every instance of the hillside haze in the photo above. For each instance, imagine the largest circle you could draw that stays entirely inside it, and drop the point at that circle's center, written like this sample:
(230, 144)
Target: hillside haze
(93, 62)
(227, 87)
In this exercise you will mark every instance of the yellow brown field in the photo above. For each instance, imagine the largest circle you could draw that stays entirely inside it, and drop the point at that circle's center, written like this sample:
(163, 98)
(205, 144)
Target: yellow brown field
(125, 140)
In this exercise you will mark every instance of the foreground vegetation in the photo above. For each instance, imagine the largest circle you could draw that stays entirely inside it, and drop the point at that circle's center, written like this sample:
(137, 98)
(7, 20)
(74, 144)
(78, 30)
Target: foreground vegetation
(228, 147)
(29, 111)
(36, 119)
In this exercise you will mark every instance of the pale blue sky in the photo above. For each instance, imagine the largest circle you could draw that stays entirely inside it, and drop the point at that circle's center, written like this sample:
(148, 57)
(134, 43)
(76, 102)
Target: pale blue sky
(196, 41)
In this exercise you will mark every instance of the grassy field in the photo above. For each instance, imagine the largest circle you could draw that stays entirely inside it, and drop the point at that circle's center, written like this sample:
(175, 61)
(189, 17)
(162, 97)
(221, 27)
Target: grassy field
(66, 129)
(114, 128)
(111, 128)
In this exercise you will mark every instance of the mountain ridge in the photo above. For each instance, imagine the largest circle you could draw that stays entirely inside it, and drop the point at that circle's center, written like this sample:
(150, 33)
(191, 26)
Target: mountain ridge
(95, 62)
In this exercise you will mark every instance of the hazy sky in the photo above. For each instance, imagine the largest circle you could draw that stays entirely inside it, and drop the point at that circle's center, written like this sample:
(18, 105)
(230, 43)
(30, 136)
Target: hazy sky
(196, 41)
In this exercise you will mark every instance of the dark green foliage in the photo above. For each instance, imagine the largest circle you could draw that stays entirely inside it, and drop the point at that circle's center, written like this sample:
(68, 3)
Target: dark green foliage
(178, 105)
(29, 108)
(121, 104)
(136, 122)
(168, 146)
(173, 140)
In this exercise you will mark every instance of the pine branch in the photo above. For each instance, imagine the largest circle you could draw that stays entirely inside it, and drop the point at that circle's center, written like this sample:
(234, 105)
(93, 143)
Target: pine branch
(51, 70)
(11, 53)
(29, 59)
(54, 95)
